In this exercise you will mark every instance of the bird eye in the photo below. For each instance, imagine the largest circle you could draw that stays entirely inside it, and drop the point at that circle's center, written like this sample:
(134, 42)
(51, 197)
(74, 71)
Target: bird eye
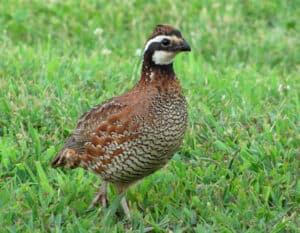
(165, 42)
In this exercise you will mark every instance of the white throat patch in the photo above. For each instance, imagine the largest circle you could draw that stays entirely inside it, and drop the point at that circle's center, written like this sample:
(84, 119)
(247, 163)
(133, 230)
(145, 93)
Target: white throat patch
(163, 57)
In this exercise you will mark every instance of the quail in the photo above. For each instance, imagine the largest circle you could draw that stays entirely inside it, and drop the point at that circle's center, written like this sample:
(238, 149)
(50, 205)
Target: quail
(128, 137)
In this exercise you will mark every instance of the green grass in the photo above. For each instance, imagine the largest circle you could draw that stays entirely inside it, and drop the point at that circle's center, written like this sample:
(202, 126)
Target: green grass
(238, 170)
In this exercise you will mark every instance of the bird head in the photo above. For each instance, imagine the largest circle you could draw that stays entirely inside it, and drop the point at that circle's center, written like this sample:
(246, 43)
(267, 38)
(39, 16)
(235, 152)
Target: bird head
(164, 44)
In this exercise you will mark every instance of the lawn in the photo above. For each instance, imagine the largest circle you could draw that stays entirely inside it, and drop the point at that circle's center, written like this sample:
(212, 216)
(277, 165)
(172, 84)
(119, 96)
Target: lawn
(238, 169)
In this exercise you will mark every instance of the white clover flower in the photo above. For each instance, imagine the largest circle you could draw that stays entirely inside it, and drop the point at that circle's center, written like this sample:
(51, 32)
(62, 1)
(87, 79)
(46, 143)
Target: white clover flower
(98, 32)
(106, 51)
(138, 52)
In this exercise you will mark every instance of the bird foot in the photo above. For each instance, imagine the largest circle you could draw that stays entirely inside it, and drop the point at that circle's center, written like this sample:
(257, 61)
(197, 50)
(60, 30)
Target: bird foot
(101, 196)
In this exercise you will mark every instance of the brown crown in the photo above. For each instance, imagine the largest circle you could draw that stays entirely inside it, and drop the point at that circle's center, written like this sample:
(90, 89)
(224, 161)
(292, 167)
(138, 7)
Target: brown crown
(162, 29)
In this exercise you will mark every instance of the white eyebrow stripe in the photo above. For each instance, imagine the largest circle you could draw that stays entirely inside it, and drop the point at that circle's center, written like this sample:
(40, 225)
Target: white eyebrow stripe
(156, 39)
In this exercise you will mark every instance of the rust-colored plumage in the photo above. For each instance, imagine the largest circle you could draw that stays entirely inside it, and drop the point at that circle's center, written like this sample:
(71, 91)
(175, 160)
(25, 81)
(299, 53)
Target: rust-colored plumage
(131, 136)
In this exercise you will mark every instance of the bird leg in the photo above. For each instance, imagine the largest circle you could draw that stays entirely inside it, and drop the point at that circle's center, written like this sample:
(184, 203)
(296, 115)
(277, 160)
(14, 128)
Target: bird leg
(121, 191)
(101, 195)
(125, 207)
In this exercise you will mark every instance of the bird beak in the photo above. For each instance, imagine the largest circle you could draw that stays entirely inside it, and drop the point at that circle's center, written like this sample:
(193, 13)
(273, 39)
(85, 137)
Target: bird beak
(183, 47)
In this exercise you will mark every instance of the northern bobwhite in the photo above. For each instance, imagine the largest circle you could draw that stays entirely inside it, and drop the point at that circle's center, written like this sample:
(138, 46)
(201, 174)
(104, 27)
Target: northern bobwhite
(131, 136)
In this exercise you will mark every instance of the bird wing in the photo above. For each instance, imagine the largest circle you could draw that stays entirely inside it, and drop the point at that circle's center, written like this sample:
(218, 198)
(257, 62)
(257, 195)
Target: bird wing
(90, 121)
(98, 130)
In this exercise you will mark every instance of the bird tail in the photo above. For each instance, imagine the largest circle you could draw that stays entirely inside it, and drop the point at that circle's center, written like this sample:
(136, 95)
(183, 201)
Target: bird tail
(59, 160)
(67, 157)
